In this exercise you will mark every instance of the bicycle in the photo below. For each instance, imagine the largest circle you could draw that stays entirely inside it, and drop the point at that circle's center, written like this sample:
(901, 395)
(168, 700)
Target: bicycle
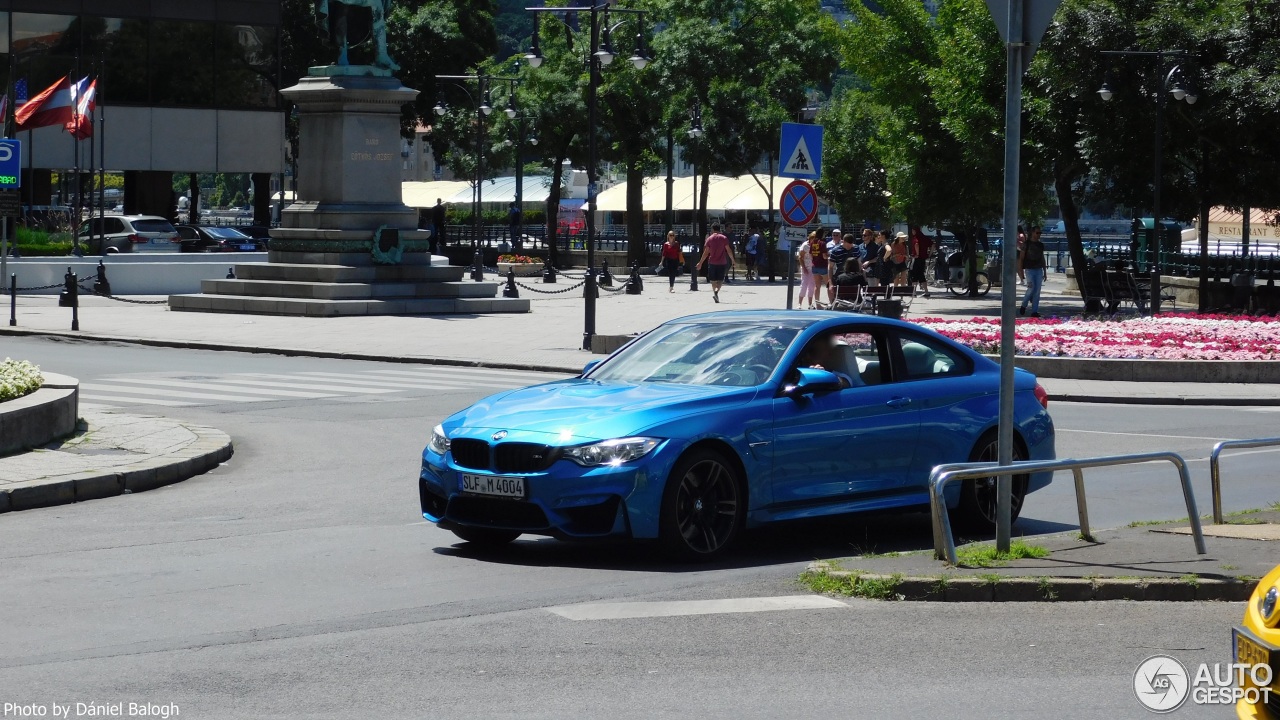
(949, 273)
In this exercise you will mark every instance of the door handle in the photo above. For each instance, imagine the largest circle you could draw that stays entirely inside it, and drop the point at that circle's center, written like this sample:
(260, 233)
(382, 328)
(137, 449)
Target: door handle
(898, 402)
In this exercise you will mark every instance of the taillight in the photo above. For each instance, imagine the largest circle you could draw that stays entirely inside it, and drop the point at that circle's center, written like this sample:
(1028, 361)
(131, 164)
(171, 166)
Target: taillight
(1042, 396)
(135, 238)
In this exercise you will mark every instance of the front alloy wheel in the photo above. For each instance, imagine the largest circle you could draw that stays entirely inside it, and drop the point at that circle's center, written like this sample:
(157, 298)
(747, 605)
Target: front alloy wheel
(702, 507)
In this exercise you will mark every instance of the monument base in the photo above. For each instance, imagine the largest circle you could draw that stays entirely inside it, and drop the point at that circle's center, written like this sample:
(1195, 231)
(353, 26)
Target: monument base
(330, 283)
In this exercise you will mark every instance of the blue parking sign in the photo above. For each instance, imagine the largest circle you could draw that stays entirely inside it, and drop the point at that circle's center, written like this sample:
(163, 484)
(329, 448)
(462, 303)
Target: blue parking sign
(10, 164)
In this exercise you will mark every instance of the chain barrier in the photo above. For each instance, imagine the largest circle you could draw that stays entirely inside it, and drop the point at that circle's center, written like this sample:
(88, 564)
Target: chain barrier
(89, 290)
(618, 289)
(550, 292)
(42, 287)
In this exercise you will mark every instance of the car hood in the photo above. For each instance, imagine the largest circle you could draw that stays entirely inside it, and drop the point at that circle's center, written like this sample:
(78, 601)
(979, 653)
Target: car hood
(576, 410)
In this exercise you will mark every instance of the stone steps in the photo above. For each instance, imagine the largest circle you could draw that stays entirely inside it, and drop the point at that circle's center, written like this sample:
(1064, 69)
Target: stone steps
(321, 307)
(301, 272)
(347, 290)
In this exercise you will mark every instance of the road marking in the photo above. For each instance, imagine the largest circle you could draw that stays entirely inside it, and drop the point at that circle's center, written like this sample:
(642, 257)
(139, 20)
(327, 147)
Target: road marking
(353, 386)
(515, 375)
(420, 381)
(217, 386)
(117, 398)
(1175, 437)
(676, 608)
(93, 388)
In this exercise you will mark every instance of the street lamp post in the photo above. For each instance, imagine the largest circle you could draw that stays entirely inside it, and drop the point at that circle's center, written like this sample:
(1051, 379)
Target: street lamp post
(524, 134)
(484, 108)
(600, 53)
(1167, 81)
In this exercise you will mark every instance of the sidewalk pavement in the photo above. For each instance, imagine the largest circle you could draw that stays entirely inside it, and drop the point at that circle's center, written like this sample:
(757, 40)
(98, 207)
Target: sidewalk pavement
(550, 338)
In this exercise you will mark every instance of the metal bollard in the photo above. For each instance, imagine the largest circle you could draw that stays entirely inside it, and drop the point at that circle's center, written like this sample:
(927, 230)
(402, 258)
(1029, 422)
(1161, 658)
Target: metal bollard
(477, 267)
(693, 276)
(606, 278)
(100, 285)
(548, 271)
(231, 273)
(635, 285)
(510, 291)
(590, 290)
(70, 297)
(13, 299)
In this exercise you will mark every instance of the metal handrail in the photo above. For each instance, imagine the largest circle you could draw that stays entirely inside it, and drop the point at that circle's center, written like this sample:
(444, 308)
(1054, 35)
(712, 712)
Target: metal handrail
(1215, 475)
(944, 543)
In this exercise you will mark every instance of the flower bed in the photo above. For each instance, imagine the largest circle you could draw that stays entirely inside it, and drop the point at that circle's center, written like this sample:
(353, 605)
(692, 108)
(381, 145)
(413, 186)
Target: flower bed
(18, 378)
(1164, 337)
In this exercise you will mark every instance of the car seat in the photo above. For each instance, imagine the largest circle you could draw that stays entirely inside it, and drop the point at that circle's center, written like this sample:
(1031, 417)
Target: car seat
(920, 359)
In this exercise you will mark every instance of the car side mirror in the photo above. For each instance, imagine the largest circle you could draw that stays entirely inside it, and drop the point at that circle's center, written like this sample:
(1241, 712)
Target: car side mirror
(812, 381)
(587, 368)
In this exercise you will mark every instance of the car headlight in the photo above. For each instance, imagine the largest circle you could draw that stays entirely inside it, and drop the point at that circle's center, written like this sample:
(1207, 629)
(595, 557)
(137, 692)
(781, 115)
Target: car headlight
(439, 441)
(1267, 605)
(611, 452)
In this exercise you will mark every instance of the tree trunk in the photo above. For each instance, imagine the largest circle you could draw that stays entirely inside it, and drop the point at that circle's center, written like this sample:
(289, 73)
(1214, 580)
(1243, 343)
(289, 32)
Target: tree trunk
(193, 210)
(636, 250)
(553, 213)
(1071, 222)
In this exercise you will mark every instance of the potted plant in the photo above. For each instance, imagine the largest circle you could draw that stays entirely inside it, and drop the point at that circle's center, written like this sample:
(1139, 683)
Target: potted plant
(523, 265)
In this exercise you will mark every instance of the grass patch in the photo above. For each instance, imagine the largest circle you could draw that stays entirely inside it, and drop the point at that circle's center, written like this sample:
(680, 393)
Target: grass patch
(1045, 586)
(871, 587)
(1229, 567)
(990, 578)
(38, 243)
(1144, 523)
(988, 556)
(1275, 506)
(1191, 579)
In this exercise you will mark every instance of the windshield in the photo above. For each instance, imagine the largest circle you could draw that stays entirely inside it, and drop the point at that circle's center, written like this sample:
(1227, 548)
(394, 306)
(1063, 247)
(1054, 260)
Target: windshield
(714, 353)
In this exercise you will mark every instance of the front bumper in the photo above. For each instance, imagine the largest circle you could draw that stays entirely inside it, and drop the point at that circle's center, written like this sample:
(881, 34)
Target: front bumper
(564, 500)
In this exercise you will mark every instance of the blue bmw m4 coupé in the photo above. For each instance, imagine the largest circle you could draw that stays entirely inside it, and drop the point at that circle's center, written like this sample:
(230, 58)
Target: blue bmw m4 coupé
(713, 423)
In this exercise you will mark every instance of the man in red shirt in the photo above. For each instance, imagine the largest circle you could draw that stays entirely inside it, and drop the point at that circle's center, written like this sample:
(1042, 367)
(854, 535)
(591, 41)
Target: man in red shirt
(718, 255)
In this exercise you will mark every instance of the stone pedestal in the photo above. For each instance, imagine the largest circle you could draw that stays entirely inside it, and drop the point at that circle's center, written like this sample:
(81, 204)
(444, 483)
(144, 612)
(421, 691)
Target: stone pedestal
(348, 165)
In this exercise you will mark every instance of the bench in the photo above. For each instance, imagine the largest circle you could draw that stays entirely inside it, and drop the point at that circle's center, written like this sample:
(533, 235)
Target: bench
(1102, 287)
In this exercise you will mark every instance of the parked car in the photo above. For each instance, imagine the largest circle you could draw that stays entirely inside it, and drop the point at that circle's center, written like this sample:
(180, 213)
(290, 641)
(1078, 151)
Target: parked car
(261, 233)
(127, 233)
(714, 423)
(209, 238)
(1257, 643)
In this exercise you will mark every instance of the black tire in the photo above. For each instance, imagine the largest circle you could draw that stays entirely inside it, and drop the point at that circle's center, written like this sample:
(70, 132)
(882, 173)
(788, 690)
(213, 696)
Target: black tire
(984, 283)
(486, 537)
(976, 512)
(703, 507)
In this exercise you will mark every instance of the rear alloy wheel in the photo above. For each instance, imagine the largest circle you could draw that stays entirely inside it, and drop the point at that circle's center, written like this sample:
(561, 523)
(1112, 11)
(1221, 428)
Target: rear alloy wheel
(977, 509)
(486, 537)
(702, 506)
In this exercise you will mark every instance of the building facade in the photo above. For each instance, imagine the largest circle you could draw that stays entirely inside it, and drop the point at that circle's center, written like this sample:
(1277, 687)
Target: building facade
(184, 86)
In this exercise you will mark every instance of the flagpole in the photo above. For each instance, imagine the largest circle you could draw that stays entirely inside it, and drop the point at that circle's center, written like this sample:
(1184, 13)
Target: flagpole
(77, 92)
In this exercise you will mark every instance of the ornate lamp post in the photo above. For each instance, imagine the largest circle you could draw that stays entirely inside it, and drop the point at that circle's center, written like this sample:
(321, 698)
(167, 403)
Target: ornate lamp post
(600, 53)
(1169, 81)
(484, 108)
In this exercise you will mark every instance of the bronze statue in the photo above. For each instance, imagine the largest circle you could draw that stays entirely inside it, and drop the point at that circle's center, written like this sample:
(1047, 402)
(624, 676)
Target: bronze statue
(347, 23)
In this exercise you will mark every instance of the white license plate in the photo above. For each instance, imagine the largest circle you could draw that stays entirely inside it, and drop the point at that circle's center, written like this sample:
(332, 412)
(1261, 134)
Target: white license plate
(499, 485)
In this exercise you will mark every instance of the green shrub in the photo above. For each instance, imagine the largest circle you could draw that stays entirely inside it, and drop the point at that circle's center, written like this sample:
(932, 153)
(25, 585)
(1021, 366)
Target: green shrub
(17, 378)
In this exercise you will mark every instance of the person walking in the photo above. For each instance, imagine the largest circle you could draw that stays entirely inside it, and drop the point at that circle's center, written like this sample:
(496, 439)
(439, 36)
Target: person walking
(898, 254)
(750, 252)
(921, 248)
(819, 261)
(804, 259)
(437, 227)
(836, 258)
(717, 254)
(672, 259)
(1031, 265)
(514, 224)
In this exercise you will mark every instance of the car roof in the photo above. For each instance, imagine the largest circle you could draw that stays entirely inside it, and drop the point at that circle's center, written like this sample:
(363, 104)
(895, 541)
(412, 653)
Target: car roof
(793, 318)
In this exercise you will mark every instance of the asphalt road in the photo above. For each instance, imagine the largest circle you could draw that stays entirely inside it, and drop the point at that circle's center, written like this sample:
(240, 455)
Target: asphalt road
(299, 581)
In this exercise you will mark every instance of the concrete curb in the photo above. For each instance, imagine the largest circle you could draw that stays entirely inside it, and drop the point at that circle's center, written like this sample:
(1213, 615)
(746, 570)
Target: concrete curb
(999, 588)
(210, 448)
(42, 416)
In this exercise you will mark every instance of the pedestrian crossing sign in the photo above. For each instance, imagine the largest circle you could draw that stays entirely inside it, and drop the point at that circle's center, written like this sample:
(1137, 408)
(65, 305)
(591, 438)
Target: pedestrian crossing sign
(800, 151)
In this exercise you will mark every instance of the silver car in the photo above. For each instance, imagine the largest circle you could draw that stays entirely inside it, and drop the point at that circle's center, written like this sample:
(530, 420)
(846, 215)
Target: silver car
(127, 233)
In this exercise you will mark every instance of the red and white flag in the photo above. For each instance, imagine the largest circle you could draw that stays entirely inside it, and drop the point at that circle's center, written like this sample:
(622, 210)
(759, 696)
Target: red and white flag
(51, 107)
(4, 110)
(81, 122)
